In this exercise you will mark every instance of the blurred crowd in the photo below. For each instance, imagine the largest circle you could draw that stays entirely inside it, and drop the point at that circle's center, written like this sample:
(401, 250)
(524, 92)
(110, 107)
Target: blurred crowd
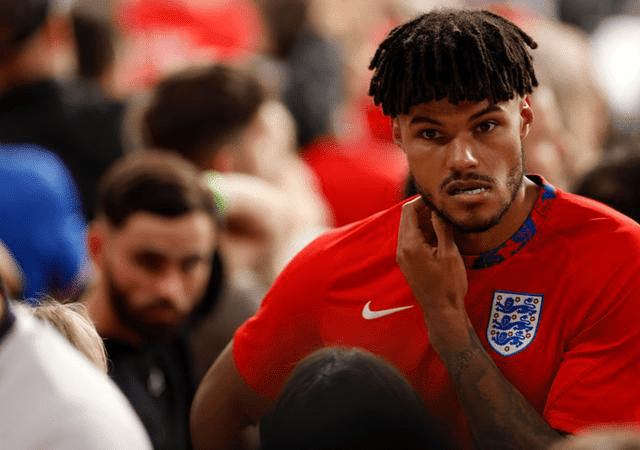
(266, 102)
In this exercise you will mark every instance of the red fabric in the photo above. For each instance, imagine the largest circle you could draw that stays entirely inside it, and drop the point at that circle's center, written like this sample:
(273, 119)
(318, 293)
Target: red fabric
(580, 369)
(380, 125)
(357, 181)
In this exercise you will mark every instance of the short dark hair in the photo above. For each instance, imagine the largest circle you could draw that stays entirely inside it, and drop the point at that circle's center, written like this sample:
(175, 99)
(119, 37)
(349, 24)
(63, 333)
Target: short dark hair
(157, 182)
(285, 19)
(461, 55)
(19, 20)
(197, 109)
(347, 398)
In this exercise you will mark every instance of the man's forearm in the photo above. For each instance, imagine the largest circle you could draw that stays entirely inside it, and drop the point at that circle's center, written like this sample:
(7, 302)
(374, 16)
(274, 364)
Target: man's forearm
(500, 417)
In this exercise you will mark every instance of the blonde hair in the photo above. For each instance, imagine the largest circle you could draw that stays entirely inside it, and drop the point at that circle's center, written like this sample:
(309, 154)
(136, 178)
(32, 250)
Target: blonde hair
(73, 322)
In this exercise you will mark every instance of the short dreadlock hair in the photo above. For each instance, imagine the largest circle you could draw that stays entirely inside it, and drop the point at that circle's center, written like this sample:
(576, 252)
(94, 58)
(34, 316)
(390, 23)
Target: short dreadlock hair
(461, 55)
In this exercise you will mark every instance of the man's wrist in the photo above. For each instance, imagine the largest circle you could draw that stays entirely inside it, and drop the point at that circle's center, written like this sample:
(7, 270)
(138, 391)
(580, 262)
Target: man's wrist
(449, 331)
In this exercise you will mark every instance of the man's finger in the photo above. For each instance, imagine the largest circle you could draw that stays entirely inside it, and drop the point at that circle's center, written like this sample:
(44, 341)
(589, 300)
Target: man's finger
(410, 227)
(426, 227)
(444, 233)
(409, 218)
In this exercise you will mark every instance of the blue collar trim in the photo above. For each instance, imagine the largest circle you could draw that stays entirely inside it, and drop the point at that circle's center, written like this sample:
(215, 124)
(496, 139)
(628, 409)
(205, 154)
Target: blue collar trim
(523, 236)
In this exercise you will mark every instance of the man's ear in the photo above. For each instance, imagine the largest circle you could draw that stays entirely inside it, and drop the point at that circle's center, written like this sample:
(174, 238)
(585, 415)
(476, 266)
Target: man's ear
(397, 134)
(96, 242)
(527, 116)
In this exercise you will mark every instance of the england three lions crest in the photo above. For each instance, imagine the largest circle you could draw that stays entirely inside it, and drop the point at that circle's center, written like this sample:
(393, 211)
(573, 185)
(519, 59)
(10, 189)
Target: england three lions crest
(514, 321)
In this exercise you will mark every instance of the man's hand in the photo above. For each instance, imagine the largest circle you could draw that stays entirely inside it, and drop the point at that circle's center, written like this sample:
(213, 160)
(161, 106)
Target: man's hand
(499, 416)
(434, 269)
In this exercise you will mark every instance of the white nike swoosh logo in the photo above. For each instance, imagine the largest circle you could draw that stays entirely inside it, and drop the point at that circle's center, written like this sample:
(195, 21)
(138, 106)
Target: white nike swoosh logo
(370, 315)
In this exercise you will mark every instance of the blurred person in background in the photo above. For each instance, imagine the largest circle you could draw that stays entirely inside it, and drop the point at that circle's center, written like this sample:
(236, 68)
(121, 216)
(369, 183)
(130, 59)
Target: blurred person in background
(614, 182)
(312, 69)
(52, 396)
(42, 223)
(579, 123)
(72, 321)
(96, 42)
(152, 244)
(280, 41)
(616, 62)
(316, 89)
(348, 399)
(573, 119)
(588, 14)
(221, 118)
(34, 106)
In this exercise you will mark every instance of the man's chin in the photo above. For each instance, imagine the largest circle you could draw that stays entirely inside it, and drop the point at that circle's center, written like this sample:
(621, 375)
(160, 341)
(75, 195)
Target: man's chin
(157, 334)
(469, 224)
(474, 226)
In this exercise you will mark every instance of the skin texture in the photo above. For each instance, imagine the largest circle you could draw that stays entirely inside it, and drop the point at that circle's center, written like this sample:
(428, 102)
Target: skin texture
(225, 408)
(452, 148)
(153, 273)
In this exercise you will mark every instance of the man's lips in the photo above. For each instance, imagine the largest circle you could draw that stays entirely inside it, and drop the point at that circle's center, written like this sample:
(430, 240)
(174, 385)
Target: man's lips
(467, 187)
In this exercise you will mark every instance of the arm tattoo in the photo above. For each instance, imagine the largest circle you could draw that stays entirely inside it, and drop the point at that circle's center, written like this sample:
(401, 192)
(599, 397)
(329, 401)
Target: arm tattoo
(500, 417)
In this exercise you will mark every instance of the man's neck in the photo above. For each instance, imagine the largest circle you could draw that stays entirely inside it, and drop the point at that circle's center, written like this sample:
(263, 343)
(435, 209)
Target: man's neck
(477, 243)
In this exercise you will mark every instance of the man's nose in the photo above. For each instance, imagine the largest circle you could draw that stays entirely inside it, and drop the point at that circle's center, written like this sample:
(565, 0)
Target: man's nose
(461, 155)
(172, 287)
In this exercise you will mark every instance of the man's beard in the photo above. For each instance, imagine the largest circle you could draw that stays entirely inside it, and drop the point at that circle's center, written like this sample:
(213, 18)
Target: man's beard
(515, 179)
(149, 333)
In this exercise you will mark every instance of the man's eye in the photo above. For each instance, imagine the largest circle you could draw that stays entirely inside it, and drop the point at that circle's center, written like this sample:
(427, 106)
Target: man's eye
(150, 262)
(430, 134)
(191, 263)
(487, 126)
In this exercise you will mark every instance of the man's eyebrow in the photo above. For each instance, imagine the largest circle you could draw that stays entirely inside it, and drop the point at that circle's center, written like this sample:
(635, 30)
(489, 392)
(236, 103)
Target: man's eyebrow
(426, 119)
(148, 251)
(489, 109)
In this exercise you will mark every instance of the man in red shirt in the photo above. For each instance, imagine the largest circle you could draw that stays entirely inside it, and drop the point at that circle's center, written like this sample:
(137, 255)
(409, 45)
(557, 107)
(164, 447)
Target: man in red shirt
(508, 304)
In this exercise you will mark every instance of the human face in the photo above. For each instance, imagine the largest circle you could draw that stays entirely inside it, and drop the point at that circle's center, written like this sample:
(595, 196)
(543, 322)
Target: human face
(156, 270)
(466, 158)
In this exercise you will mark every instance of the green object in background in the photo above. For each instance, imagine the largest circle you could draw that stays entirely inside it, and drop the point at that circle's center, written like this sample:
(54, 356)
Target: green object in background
(215, 181)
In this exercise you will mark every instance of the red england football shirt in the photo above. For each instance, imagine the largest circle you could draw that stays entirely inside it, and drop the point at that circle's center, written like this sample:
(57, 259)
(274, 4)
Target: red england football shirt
(556, 307)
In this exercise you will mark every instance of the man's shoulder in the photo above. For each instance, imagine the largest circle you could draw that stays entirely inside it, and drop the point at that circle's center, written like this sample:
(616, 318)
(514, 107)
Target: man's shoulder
(584, 213)
(367, 232)
(377, 234)
(588, 228)
(342, 252)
